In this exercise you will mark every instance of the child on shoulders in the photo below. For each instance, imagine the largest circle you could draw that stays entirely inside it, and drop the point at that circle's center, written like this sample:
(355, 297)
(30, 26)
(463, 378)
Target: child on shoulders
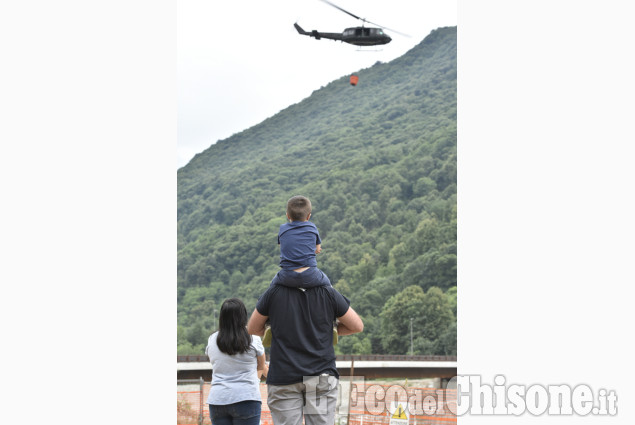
(299, 242)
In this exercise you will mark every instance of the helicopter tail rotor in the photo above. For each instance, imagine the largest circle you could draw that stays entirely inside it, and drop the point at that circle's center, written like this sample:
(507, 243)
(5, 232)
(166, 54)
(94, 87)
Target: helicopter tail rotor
(300, 30)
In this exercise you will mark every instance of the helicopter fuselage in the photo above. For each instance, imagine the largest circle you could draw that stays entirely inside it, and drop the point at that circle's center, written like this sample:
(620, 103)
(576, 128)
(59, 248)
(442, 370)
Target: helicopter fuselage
(365, 36)
(359, 36)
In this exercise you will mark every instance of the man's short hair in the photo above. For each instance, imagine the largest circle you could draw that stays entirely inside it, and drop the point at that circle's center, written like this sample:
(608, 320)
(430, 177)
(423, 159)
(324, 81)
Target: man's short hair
(298, 208)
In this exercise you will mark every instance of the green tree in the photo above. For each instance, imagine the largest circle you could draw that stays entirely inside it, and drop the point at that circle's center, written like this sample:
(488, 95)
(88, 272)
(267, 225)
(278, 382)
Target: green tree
(446, 344)
(187, 349)
(451, 294)
(196, 335)
(430, 312)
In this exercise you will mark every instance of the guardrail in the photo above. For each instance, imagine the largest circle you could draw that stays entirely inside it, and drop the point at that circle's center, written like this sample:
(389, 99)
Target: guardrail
(351, 357)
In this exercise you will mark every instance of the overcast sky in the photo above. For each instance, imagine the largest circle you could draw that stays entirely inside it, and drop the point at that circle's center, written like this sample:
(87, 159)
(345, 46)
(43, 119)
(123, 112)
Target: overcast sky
(240, 62)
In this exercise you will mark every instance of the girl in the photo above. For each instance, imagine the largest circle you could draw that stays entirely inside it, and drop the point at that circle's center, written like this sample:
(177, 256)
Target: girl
(238, 362)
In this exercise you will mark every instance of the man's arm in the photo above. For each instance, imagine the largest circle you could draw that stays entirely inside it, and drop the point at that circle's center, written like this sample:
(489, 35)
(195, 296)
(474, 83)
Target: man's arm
(256, 325)
(350, 323)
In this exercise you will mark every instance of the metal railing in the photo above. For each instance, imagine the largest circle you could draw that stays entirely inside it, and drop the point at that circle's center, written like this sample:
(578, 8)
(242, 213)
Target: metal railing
(355, 357)
(191, 403)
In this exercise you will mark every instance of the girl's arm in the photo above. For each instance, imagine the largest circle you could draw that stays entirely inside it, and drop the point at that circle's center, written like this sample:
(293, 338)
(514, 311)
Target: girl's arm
(262, 368)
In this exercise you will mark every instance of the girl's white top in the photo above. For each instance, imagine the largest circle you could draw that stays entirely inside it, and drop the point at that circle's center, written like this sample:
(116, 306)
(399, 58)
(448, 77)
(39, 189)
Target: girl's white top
(234, 378)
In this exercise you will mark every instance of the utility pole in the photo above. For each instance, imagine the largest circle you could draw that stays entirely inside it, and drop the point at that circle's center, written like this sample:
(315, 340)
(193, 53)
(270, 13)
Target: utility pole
(411, 350)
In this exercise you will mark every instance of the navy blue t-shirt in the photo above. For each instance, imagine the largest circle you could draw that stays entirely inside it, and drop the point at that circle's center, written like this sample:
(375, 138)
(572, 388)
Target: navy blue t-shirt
(302, 328)
(297, 242)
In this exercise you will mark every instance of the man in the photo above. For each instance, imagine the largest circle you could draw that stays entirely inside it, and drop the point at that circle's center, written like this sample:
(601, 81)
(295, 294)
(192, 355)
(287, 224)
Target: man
(302, 377)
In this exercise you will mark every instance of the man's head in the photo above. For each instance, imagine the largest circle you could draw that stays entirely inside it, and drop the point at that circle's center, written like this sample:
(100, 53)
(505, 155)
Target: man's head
(298, 208)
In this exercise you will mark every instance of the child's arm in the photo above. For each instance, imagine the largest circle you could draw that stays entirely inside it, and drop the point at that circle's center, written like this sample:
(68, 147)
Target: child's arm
(318, 248)
(262, 368)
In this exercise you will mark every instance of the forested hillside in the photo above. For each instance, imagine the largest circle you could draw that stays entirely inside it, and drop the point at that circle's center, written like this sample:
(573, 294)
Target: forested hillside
(378, 162)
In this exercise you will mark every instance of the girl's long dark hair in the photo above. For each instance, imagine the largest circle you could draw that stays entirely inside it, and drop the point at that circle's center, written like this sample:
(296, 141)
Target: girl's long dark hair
(233, 337)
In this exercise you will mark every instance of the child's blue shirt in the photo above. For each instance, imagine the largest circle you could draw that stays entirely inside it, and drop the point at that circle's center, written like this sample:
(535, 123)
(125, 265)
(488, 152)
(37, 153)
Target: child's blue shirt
(297, 242)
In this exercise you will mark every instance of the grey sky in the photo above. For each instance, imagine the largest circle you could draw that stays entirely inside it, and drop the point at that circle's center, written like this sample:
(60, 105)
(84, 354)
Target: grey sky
(240, 62)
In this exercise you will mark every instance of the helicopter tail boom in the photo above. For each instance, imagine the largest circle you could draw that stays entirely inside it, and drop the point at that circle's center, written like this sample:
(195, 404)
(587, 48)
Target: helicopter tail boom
(318, 35)
(313, 33)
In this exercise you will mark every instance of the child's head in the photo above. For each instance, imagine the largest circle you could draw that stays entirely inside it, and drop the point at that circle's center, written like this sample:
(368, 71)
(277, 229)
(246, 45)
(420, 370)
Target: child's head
(233, 315)
(233, 337)
(298, 208)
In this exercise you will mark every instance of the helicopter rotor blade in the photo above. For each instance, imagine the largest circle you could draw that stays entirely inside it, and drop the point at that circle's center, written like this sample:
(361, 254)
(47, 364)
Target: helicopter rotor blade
(345, 11)
(389, 29)
(364, 20)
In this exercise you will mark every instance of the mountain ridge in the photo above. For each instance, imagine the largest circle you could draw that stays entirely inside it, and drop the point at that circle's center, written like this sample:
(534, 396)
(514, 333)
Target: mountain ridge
(378, 161)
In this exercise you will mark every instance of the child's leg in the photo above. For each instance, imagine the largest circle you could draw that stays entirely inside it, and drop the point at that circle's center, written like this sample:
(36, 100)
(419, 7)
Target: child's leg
(325, 281)
(266, 338)
(276, 279)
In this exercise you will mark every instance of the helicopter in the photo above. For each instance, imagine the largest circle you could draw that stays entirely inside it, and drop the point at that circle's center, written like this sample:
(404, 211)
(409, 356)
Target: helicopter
(359, 36)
